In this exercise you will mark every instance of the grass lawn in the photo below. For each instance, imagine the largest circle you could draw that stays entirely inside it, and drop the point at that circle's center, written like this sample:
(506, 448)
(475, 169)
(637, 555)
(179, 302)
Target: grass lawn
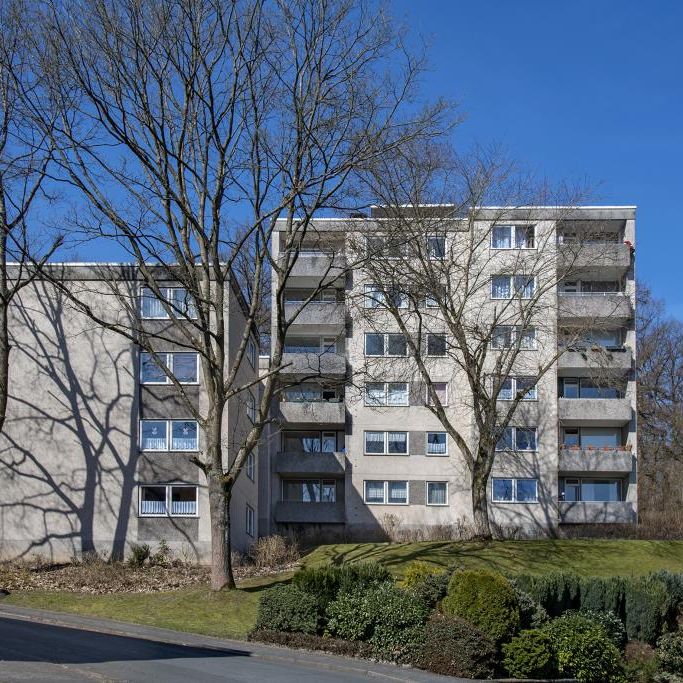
(232, 614)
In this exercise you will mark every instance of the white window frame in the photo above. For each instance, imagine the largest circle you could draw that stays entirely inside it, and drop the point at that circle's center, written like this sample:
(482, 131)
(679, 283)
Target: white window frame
(429, 251)
(386, 432)
(428, 397)
(435, 455)
(168, 297)
(169, 362)
(514, 448)
(514, 292)
(250, 521)
(168, 500)
(385, 403)
(515, 330)
(386, 353)
(515, 499)
(251, 466)
(531, 396)
(445, 340)
(169, 436)
(513, 237)
(385, 500)
(439, 505)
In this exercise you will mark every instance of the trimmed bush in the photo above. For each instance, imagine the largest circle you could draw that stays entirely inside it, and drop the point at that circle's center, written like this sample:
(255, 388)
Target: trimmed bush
(327, 582)
(584, 651)
(532, 615)
(600, 594)
(531, 654)
(389, 618)
(646, 606)
(611, 625)
(453, 647)
(418, 571)
(556, 592)
(288, 608)
(431, 589)
(487, 600)
(670, 653)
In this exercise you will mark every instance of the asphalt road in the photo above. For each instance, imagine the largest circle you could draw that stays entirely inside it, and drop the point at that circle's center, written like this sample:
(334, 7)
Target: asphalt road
(37, 647)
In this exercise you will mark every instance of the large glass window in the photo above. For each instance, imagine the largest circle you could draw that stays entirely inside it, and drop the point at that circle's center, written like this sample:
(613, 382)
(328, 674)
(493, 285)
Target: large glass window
(397, 443)
(441, 390)
(391, 344)
(183, 366)
(301, 441)
(153, 435)
(386, 443)
(518, 439)
(309, 490)
(437, 443)
(505, 336)
(178, 301)
(503, 490)
(183, 500)
(386, 394)
(592, 437)
(509, 490)
(175, 500)
(437, 493)
(374, 491)
(150, 371)
(591, 490)
(152, 500)
(302, 345)
(513, 236)
(398, 492)
(511, 386)
(436, 344)
(374, 296)
(503, 286)
(184, 435)
(526, 490)
(249, 520)
(573, 387)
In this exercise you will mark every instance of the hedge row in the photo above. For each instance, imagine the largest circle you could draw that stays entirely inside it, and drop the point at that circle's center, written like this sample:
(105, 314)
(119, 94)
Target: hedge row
(646, 605)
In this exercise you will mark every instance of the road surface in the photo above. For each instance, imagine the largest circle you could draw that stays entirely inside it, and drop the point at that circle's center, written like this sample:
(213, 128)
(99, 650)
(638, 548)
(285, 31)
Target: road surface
(36, 646)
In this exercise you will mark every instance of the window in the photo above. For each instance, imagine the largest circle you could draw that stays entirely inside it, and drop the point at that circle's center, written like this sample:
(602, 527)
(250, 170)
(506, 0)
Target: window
(517, 439)
(437, 443)
(514, 490)
(386, 394)
(309, 442)
(302, 345)
(436, 247)
(376, 297)
(591, 490)
(572, 387)
(176, 299)
(592, 437)
(175, 500)
(436, 344)
(504, 286)
(251, 466)
(309, 490)
(154, 435)
(437, 493)
(513, 237)
(505, 337)
(183, 366)
(251, 352)
(384, 247)
(391, 344)
(514, 385)
(386, 492)
(610, 339)
(251, 408)
(249, 521)
(441, 391)
(386, 443)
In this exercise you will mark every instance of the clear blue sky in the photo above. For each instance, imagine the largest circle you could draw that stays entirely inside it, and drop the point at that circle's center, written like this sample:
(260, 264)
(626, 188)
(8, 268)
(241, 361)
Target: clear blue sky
(580, 89)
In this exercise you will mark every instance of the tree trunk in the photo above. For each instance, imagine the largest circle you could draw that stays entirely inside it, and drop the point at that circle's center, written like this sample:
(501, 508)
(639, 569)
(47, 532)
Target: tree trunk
(4, 363)
(480, 508)
(219, 512)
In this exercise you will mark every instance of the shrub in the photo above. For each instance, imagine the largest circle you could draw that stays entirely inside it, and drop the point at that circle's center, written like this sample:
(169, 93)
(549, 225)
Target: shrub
(674, 586)
(530, 655)
(327, 582)
(273, 551)
(453, 647)
(486, 599)
(418, 571)
(162, 556)
(139, 554)
(584, 650)
(431, 589)
(670, 652)
(309, 641)
(641, 663)
(646, 605)
(600, 594)
(556, 592)
(389, 618)
(288, 608)
(611, 625)
(532, 614)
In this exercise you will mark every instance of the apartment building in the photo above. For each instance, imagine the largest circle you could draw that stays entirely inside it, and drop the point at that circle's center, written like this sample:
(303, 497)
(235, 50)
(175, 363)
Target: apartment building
(359, 455)
(97, 446)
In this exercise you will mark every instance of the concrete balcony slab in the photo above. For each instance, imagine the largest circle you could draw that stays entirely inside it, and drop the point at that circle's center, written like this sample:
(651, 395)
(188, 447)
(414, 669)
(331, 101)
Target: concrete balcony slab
(589, 362)
(314, 364)
(610, 259)
(311, 269)
(319, 318)
(598, 412)
(313, 412)
(585, 308)
(309, 513)
(615, 461)
(614, 512)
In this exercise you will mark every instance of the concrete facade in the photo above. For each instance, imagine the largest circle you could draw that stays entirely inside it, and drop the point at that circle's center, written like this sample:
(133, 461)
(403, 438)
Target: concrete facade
(568, 475)
(75, 468)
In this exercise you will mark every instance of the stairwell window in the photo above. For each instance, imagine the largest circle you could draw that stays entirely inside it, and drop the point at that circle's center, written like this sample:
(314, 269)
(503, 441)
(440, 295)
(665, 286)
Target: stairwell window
(251, 408)
(504, 490)
(251, 467)
(517, 439)
(249, 521)
(251, 352)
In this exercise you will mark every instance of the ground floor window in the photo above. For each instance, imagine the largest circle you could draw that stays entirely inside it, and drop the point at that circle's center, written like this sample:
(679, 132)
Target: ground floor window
(437, 493)
(507, 490)
(591, 490)
(386, 492)
(162, 500)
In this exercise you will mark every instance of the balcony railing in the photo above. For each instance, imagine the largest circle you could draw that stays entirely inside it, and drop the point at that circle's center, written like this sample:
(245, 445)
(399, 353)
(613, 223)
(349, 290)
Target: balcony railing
(594, 512)
(595, 459)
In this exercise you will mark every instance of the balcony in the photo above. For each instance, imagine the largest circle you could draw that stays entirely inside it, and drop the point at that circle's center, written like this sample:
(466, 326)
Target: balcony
(588, 512)
(309, 513)
(605, 461)
(602, 412)
(300, 463)
(312, 268)
(586, 362)
(610, 258)
(314, 364)
(313, 412)
(319, 318)
(585, 307)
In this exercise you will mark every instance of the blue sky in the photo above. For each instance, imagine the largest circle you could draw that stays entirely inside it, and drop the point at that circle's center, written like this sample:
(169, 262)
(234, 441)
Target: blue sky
(580, 89)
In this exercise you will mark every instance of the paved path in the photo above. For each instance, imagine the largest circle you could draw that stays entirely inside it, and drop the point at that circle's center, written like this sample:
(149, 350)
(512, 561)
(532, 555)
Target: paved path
(37, 645)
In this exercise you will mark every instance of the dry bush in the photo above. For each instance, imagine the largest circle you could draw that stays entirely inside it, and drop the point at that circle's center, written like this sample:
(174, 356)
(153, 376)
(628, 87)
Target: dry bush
(274, 551)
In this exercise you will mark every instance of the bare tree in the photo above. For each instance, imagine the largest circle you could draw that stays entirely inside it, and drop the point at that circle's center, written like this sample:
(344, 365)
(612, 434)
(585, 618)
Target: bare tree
(24, 157)
(190, 127)
(660, 409)
(475, 318)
